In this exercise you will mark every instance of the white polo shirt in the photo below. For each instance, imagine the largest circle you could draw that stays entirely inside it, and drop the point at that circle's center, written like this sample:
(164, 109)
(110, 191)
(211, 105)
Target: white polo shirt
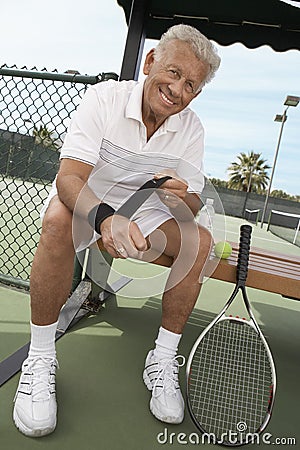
(108, 133)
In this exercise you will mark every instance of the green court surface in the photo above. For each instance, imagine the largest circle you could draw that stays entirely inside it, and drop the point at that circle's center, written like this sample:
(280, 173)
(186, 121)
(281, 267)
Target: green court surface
(102, 401)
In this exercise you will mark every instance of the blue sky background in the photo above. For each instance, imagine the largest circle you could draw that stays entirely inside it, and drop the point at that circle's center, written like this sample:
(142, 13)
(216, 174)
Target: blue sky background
(237, 108)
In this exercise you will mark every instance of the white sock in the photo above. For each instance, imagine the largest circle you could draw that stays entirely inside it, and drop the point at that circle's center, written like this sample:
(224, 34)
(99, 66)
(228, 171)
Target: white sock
(166, 344)
(43, 340)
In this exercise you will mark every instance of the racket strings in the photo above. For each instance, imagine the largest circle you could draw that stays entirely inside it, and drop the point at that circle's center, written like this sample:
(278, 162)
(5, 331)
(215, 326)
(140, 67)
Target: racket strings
(230, 379)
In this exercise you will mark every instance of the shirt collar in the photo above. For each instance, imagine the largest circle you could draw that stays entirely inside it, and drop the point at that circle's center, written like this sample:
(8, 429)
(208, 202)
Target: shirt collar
(134, 110)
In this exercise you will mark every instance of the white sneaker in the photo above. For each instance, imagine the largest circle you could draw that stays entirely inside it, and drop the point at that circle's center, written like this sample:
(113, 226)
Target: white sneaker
(35, 403)
(161, 377)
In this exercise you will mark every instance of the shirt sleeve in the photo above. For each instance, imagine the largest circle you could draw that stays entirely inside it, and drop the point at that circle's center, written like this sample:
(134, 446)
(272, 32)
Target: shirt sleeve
(86, 130)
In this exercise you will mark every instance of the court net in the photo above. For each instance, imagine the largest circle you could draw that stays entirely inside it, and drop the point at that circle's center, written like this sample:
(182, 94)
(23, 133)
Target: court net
(285, 225)
(252, 215)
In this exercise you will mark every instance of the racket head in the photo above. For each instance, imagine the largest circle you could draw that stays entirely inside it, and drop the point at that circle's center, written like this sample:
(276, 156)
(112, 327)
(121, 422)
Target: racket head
(231, 381)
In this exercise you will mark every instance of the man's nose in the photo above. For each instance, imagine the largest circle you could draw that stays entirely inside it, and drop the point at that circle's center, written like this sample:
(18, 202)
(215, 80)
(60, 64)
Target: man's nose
(176, 87)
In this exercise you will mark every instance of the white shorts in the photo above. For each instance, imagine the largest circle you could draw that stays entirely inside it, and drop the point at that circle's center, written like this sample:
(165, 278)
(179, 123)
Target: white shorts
(148, 221)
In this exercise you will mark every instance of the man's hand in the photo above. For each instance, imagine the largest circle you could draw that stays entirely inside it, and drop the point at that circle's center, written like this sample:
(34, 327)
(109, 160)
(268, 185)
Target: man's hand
(184, 205)
(173, 191)
(122, 238)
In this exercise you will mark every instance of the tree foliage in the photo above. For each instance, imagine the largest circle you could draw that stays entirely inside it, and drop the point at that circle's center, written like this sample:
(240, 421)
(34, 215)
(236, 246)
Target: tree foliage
(249, 173)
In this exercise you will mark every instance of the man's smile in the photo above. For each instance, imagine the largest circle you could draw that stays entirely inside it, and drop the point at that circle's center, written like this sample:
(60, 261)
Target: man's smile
(165, 98)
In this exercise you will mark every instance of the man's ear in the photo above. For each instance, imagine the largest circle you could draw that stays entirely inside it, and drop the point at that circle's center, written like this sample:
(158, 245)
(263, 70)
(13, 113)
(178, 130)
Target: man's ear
(149, 60)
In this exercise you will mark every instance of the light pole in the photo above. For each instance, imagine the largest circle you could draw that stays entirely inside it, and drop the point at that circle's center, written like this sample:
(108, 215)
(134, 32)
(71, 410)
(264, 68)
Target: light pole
(291, 100)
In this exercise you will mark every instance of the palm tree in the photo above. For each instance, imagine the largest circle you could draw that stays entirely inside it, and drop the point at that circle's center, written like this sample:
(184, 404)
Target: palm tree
(44, 136)
(249, 174)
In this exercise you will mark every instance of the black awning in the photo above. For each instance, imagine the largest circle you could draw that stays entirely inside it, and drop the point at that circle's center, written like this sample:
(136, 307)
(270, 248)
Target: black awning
(251, 22)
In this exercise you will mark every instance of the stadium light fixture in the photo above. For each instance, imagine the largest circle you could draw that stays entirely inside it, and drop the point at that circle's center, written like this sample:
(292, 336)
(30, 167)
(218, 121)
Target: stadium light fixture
(291, 100)
(280, 118)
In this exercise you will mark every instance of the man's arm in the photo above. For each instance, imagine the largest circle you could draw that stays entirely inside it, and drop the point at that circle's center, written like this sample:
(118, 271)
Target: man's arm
(186, 209)
(116, 231)
(193, 201)
(72, 186)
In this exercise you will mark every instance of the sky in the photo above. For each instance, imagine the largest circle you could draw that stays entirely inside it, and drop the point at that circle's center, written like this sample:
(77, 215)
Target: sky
(237, 108)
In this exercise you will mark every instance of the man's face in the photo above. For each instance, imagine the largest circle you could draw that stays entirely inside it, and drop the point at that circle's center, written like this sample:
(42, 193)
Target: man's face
(173, 82)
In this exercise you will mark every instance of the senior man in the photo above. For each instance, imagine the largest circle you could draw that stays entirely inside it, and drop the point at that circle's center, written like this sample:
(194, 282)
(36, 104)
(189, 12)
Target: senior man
(123, 134)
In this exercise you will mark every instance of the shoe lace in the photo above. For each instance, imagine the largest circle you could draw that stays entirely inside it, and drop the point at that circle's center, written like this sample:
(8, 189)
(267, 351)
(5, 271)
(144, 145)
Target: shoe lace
(39, 369)
(167, 375)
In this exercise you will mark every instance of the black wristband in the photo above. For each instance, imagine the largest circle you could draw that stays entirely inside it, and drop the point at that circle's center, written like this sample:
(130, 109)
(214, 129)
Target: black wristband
(98, 214)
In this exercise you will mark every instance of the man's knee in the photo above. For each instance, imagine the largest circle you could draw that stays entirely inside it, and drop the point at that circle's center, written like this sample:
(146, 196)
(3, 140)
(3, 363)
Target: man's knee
(183, 240)
(195, 240)
(57, 223)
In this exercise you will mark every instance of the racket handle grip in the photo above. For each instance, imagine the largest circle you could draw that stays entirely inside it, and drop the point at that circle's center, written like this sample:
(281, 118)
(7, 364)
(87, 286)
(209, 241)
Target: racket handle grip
(140, 196)
(243, 256)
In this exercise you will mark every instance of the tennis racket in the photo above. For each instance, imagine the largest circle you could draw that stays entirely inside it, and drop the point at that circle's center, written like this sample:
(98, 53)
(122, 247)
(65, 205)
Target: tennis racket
(231, 378)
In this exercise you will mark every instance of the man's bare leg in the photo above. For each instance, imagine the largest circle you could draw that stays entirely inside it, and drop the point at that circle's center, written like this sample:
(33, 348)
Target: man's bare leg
(189, 246)
(50, 282)
(52, 268)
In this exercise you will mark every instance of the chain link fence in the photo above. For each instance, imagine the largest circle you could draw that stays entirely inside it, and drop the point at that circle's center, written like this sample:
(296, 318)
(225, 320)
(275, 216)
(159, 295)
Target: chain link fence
(35, 111)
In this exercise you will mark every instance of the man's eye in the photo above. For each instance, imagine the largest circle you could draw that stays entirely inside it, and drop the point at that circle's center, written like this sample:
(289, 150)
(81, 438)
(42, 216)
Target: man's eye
(173, 72)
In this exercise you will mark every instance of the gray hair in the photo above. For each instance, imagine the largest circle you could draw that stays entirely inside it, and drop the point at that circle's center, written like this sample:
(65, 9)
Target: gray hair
(201, 46)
